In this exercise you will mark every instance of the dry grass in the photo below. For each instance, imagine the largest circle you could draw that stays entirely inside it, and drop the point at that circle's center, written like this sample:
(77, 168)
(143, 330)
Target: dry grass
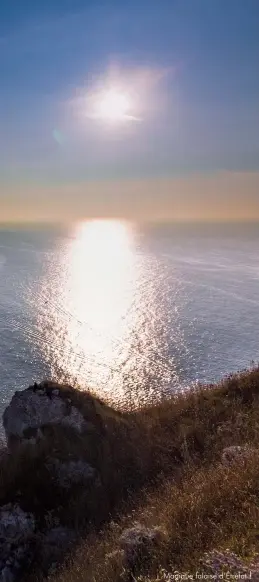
(207, 505)
(160, 466)
(211, 508)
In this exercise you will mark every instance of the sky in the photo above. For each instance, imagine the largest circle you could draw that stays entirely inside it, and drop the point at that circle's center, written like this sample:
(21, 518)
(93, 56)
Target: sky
(188, 148)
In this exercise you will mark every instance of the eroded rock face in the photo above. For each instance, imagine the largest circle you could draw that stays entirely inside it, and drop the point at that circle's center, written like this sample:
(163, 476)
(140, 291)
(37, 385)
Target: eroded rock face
(12, 566)
(54, 544)
(71, 473)
(69, 432)
(15, 524)
(17, 529)
(31, 409)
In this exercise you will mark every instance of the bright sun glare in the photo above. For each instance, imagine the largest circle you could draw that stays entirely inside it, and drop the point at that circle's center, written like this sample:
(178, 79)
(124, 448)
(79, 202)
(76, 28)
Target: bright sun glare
(113, 105)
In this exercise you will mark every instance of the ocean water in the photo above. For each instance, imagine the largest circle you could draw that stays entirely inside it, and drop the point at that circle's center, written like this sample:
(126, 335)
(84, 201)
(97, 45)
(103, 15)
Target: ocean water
(130, 312)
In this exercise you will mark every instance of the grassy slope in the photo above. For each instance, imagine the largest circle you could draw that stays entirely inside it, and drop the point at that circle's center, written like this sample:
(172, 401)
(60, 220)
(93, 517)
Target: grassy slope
(200, 504)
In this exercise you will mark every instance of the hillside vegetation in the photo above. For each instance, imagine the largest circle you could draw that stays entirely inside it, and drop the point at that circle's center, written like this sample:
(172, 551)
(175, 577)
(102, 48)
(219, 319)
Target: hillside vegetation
(160, 467)
(199, 503)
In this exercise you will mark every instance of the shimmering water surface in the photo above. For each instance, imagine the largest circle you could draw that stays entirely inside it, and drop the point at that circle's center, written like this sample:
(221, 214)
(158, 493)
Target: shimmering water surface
(132, 312)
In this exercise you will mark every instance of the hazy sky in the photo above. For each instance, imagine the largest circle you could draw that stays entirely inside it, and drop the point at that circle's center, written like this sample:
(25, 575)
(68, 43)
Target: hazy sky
(189, 150)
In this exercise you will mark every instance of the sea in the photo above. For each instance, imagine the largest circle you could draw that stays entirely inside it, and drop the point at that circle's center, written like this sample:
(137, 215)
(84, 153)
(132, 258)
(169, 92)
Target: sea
(131, 312)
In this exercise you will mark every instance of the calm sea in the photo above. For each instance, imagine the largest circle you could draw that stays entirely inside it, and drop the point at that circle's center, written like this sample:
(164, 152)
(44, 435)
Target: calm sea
(131, 312)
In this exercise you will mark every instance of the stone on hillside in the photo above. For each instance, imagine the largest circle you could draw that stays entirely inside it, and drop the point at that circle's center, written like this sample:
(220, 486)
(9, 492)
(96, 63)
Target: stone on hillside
(235, 453)
(31, 410)
(138, 544)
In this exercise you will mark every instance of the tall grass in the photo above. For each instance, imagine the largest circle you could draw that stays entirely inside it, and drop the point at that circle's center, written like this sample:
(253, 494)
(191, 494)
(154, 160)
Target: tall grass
(199, 503)
(159, 466)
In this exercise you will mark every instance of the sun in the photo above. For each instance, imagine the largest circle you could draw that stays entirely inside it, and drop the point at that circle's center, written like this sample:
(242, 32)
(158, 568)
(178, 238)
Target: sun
(113, 105)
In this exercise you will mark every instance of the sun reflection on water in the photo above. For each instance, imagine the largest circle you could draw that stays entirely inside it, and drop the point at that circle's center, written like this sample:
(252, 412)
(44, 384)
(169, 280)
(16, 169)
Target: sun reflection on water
(102, 272)
(99, 291)
(104, 319)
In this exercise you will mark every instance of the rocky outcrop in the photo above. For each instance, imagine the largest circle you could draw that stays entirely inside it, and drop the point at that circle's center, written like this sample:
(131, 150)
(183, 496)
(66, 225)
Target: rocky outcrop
(17, 529)
(15, 524)
(56, 453)
(37, 407)
(58, 465)
(20, 542)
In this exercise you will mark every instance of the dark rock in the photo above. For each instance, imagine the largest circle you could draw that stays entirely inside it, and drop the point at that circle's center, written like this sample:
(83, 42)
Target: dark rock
(17, 529)
(71, 473)
(54, 546)
(15, 525)
(31, 410)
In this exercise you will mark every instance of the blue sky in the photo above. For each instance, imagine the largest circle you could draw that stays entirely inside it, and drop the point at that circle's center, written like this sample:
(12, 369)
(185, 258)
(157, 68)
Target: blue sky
(199, 116)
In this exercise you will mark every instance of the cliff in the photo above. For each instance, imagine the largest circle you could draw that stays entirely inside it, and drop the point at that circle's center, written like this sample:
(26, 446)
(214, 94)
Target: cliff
(61, 473)
(169, 475)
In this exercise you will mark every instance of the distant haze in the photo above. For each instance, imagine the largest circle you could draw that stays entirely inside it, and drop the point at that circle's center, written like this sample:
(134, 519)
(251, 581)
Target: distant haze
(142, 110)
(217, 197)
